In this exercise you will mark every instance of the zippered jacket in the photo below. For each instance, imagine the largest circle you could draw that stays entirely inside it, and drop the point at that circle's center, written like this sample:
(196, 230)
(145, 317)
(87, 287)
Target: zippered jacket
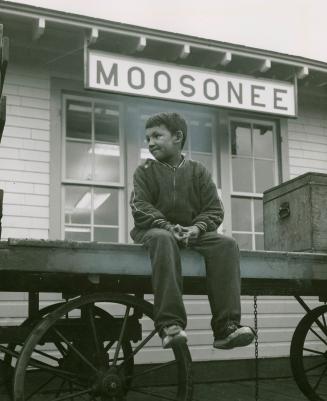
(184, 195)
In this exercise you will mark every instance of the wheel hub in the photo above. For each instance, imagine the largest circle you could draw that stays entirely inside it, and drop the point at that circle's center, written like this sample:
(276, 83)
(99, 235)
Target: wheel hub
(112, 385)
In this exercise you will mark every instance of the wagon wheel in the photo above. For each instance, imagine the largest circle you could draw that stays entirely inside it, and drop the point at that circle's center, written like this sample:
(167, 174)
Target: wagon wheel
(96, 367)
(309, 354)
(13, 350)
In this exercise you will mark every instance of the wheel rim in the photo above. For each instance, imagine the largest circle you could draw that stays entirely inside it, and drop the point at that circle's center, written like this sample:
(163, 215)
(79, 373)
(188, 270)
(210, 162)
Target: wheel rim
(98, 365)
(14, 348)
(309, 354)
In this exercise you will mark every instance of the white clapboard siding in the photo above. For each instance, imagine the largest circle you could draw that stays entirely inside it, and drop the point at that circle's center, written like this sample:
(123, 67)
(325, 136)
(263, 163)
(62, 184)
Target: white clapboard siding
(308, 137)
(24, 154)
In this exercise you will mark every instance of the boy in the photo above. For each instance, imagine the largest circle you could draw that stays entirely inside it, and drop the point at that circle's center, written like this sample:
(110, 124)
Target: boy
(174, 204)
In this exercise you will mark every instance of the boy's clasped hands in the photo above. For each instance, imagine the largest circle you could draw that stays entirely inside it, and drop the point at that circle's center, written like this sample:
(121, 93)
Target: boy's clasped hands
(184, 234)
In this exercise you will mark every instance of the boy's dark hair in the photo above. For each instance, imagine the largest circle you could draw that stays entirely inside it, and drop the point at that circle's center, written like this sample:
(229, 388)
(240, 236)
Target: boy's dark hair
(172, 121)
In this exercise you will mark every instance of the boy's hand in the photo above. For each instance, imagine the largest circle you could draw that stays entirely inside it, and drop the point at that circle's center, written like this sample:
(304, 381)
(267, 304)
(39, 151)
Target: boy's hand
(184, 234)
(179, 232)
(190, 233)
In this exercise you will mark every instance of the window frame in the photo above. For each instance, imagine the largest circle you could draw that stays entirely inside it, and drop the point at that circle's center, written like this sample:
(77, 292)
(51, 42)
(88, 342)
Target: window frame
(93, 100)
(251, 121)
(120, 185)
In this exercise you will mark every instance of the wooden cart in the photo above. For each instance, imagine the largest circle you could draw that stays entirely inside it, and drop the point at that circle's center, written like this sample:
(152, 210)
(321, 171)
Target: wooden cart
(84, 347)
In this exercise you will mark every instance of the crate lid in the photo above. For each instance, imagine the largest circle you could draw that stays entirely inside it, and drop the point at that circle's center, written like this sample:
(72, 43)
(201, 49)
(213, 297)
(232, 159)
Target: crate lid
(309, 178)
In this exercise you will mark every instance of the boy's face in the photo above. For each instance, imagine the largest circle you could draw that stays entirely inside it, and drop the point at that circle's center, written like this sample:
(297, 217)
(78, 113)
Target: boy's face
(163, 145)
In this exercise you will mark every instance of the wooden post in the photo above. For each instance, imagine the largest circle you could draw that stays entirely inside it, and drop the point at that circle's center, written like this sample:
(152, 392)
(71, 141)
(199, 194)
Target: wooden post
(33, 304)
(4, 58)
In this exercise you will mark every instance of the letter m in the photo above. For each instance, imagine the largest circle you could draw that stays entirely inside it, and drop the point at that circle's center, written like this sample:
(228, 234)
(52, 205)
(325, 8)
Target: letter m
(101, 74)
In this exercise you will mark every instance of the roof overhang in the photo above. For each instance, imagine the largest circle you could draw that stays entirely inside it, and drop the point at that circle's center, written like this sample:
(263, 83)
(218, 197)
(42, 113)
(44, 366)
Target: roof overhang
(58, 34)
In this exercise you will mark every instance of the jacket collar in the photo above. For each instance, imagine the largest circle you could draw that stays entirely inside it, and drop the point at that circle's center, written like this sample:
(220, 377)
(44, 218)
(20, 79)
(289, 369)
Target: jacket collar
(171, 167)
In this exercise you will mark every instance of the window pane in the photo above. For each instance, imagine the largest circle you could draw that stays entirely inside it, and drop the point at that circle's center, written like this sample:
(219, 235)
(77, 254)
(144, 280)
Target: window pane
(77, 205)
(106, 149)
(78, 161)
(106, 206)
(258, 215)
(106, 123)
(201, 136)
(259, 242)
(264, 175)
(263, 141)
(78, 119)
(244, 240)
(78, 233)
(241, 214)
(242, 174)
(200, 133)
(104, 234)
(107, 166)
(205, 159)
(241, 139)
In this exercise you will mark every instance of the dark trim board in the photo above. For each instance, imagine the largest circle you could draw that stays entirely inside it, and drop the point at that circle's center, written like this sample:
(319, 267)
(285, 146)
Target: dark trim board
(240, 369)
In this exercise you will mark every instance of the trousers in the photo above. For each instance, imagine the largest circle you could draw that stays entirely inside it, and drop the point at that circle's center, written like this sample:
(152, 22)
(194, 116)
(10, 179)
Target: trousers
(222, 261)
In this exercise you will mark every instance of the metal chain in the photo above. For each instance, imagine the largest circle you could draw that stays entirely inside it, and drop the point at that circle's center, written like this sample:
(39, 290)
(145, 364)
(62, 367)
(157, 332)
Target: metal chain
(256, 348)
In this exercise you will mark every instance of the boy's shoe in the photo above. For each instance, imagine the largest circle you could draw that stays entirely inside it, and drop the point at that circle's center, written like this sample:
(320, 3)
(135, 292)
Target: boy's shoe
(172, 334)
(233, 336)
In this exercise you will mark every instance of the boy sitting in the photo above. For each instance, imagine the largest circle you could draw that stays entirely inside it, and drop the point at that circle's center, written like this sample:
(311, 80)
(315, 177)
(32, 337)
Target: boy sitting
(175, 204)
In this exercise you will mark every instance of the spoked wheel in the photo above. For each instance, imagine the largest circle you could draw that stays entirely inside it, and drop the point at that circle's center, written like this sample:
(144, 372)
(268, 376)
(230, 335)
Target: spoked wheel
(12, 350)
(78, 353)
(309, 354)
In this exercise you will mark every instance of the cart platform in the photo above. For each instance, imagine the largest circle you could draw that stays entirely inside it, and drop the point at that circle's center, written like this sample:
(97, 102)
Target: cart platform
(62, 266)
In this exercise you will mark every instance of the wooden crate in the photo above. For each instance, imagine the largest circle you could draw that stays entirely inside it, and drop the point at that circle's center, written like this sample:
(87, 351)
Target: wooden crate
(295, 214)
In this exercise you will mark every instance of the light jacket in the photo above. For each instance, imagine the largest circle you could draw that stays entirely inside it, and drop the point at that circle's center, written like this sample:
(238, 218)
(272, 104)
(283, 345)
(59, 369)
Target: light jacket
(184, 195)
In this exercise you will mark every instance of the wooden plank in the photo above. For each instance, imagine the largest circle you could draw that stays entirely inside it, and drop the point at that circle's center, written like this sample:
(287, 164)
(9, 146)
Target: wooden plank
(3, 108)
(39, 265)
(1, 205)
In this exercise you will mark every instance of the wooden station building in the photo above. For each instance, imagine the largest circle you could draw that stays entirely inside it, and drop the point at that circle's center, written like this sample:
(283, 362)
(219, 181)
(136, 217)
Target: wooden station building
(79, 90)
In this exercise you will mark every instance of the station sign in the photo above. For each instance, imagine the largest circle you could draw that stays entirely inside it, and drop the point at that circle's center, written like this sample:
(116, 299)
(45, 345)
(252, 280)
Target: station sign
(135, 76)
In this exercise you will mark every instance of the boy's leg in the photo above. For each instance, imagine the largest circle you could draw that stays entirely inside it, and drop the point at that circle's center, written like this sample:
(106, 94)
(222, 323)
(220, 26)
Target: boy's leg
(167, 280)
(222, 259)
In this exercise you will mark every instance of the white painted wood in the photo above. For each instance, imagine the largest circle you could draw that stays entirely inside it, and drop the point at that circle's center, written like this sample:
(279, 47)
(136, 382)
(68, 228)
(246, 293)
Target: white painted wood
(185, 51)
(141, 44)
(303, 72)
(226, 59)
(308, 137)
(28, 211)
(16, 132)
(39, 28)
(22, 176)
(12, 232)
(265, 65)
(93, 36)
(25, 199)
(41, 189)
(23, 221)
(13, 164)
(24, 153)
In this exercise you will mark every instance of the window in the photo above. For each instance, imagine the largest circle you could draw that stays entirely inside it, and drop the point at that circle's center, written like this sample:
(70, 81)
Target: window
(254, 169)
(92, 179)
